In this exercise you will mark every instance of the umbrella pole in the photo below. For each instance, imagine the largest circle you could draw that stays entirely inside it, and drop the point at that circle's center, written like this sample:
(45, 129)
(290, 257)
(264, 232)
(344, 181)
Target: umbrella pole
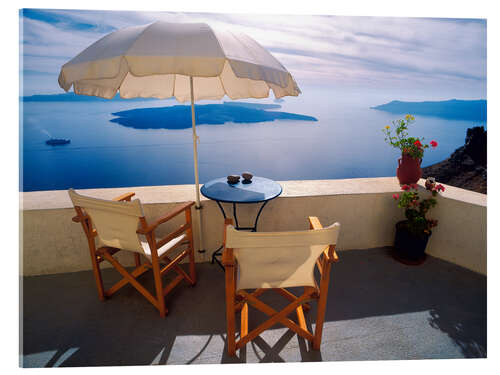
(196, 179)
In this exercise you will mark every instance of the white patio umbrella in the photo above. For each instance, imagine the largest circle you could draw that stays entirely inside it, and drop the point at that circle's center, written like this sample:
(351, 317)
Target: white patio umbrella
(186, 60)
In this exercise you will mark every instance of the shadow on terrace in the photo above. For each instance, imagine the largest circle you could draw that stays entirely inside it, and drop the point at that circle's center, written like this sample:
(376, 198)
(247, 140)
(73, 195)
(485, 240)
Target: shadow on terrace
(377, 309)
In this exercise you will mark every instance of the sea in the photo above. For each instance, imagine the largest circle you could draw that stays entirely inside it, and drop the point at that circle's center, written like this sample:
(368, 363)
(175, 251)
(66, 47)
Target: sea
(126, 143)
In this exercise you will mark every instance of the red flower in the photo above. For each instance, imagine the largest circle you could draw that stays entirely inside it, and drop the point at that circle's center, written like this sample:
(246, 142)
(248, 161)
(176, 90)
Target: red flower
(417, 143)
(433, 143)
(405, 187)
(440, 187)
(414, 186)
(395, 196)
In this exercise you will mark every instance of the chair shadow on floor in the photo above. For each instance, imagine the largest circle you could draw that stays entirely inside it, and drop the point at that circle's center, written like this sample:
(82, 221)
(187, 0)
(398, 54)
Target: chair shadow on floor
(64, 323)
(265, 352)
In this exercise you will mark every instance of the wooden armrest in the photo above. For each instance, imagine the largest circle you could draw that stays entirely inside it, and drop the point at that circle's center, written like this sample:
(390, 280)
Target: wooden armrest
(124, 197)
(314, 223)
(78, 218)
(329, 252)
(176, 211)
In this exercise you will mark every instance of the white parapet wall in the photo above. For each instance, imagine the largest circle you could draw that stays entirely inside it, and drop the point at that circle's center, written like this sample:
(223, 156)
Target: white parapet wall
(51, 242)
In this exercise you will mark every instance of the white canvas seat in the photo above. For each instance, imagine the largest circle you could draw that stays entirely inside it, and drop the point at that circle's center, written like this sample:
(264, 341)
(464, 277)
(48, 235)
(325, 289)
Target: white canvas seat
(162, 250)
(111, 226)
(275, 261)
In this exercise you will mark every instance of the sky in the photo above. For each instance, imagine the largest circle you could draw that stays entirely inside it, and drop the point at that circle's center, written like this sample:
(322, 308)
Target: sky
(446, 57)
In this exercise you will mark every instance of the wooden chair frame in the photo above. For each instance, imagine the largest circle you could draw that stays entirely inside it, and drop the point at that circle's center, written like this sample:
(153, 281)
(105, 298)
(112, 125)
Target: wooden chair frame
(239, 300)
(98, 255)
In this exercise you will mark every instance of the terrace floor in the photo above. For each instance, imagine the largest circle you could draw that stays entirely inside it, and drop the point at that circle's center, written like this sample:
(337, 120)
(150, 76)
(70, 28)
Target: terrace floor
(377, 309)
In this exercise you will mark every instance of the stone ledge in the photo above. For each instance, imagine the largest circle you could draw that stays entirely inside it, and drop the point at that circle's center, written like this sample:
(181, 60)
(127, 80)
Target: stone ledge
(57, 199)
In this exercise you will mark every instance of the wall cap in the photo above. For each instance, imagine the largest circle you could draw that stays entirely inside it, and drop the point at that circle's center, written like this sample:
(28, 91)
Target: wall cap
(59, 199)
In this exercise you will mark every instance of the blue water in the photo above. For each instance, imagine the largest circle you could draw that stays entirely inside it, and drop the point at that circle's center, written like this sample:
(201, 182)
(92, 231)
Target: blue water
(346, 141)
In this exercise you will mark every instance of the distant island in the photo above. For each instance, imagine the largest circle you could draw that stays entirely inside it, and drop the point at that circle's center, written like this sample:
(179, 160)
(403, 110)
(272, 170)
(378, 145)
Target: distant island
(179, 116)
(254, 105)
(471, 110)
(72, 97)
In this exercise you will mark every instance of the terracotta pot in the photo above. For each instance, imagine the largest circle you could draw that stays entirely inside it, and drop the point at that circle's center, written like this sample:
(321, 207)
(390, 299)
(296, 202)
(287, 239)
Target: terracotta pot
(409, 171)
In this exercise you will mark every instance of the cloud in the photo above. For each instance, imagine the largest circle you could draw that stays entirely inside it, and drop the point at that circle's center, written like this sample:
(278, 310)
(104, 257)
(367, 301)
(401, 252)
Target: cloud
(386, 51)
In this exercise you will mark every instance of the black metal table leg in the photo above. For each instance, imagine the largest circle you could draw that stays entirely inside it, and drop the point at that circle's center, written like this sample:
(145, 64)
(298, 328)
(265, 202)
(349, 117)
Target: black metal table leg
(235, 216)
(257, 218)
(214, 257)
(222, 209)
(217, 252)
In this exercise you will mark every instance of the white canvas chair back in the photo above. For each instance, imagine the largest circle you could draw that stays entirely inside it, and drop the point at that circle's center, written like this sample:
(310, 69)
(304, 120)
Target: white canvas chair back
(116, 223)
(278, 259)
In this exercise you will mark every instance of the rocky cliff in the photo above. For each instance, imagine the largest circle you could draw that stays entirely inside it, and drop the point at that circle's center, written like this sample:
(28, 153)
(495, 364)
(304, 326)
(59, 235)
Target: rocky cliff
(466, 167)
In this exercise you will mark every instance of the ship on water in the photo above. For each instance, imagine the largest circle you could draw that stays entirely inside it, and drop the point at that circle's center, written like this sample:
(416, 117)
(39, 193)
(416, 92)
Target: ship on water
(57, 141)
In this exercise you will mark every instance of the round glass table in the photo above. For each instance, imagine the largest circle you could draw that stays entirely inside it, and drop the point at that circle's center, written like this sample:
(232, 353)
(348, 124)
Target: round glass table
(259, 190)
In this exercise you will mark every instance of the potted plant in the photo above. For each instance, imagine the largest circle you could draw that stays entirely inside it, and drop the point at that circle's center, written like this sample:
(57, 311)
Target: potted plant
(413, 233)
(412, 150)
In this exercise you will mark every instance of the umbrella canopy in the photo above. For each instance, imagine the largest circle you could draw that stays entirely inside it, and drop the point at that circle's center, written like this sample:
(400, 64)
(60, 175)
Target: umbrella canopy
(184, 60)
(156, 60)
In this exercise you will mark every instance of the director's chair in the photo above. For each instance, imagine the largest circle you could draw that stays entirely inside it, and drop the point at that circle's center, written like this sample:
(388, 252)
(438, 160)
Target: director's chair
(120, 225)
(277, 260)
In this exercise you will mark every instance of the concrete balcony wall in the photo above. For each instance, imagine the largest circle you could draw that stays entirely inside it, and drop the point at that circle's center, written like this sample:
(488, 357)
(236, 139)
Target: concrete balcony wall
(52, 243)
